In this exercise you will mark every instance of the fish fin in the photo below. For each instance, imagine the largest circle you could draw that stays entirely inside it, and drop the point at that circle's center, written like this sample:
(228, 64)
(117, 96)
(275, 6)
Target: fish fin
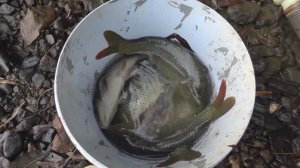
(113, 39)
(221, 95)
(225, 107)
(182, 153)
(181, 40)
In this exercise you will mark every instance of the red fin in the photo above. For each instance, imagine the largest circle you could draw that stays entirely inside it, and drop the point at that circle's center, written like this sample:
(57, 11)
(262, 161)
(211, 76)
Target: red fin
(180, 39)
(221, 95)
(105, 52)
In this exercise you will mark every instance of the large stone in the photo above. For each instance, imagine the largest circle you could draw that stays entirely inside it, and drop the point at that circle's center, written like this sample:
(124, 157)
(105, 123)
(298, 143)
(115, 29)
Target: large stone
(47, 64)
(243, 13)
(6, 9)
(38, 80)
(13, 145)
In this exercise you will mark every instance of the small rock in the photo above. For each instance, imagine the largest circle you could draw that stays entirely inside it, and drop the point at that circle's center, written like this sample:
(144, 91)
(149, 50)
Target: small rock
(43, 46)
(38, 80)
(32, 108)
(42, 146)
(47, 64)
(47, 84)
(267, 15)
(273, 107)
(6, 9)
(30, 62)
(23, 114)
(4, 31)
(273, 65)
(266, 51)
(13, 146)
(3, 1)
(48, 136)
(259, 66)
(53, 52)
(31, 100)
(13, 22)
(266, 155)
(292, 74)
(29, 2)
(60, 24)
(2, 111)
(15, 3)
(26, 74)
(16, 89)
(285, 116)
(243, 13)
(6, 89)
(44, 101)
(28, 123)
(286, 102)
(50, 39)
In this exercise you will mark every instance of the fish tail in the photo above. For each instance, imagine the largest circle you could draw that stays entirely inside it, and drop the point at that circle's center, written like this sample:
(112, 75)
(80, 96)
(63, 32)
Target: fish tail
(225, 107)
(113, 39)
(182, 153)
(221, 95)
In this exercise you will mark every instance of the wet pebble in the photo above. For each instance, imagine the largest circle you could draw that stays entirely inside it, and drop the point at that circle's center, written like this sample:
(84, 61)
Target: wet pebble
(243, 13)
(273, 107)
(6, 9)
(22, 114)
(286, 102)
(50, 39)
(13, 145)
(38, 80)
(12, 21)
(273, 65)
(28, 123)
(47, 64)
(16, 89)
(4, 31)
(265, 51)
(26, 74)
(31, 100)
(30, 62)
(3, 1)
(47, 84)
(44, 101)
(292, 74)
(5, 89)
(29, 2)
(267, 15)
(48, 136)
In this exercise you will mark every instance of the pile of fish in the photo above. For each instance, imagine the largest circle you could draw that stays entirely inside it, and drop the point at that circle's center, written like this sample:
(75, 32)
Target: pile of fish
(157, 96)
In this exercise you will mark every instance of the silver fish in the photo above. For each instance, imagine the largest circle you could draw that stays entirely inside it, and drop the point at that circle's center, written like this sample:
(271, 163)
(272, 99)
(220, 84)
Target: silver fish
(110, 88)
(165, 53)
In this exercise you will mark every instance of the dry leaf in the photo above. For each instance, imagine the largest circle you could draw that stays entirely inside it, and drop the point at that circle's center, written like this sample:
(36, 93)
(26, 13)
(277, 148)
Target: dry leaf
(61, 142)
(4, 81)
(234, 161)
(76, 157)
(15, 113)
(36, 19)
(90, 166)
(28, 159)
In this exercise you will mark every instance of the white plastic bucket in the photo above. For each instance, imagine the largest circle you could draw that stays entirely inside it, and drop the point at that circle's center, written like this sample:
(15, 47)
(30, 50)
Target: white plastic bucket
(211, 36)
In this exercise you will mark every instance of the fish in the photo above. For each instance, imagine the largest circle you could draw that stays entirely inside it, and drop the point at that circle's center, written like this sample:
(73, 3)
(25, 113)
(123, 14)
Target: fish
(176, 135)
(110, 87)
(149, 98)
(184, 67)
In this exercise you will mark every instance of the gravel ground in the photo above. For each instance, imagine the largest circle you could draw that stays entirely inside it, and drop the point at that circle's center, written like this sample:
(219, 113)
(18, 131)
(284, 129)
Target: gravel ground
(32, 33)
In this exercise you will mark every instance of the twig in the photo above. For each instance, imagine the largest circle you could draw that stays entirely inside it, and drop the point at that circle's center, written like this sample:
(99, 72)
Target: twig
(15, 113)
(39, 98)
